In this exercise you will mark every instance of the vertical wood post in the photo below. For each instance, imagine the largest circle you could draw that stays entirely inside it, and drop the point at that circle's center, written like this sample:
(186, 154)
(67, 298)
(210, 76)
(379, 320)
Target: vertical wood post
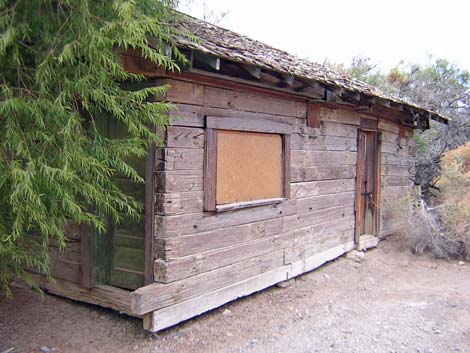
(359, 179)
(378, 183)
(86, 256)
(149, 213)
(210, 170)
(286, 165)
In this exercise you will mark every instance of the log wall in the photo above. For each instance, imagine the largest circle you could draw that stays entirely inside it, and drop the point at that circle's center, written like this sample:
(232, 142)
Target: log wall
(205, 259)
(200, 256)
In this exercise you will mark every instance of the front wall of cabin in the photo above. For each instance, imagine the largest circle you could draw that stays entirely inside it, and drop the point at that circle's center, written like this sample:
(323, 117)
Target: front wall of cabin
(199, 253)
(205, 259)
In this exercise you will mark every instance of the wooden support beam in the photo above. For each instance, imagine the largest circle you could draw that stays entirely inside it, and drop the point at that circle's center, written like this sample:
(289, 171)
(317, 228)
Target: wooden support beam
(354, 96)
(86, 256)
(288, 79)
(210, 170)
(205, 60)
(149, 214)
(254, 71)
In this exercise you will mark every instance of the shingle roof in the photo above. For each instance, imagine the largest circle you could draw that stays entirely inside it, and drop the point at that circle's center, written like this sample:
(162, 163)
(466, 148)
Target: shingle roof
(228, 45)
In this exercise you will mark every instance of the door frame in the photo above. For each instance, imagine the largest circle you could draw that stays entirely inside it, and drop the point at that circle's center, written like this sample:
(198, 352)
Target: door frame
(368, 126)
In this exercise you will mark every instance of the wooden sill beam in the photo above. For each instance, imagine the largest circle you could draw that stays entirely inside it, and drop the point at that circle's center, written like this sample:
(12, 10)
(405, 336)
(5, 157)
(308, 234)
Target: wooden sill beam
(247, 204)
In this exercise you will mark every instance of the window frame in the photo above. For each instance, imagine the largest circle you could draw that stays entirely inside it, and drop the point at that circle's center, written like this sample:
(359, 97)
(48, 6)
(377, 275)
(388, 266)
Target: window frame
(261, 125)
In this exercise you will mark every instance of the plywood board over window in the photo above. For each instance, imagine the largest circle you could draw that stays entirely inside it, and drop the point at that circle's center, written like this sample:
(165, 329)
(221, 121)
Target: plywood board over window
(249, 166)
(247, 163)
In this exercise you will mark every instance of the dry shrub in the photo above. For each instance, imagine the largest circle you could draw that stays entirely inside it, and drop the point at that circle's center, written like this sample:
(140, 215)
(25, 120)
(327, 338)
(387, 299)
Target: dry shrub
(454, 197)
(421, 228)
(445, 229)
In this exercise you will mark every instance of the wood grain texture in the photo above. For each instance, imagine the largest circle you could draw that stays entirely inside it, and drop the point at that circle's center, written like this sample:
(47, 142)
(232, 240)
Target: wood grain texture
(210, 170)
(149, 214)
(286, 163)
(243, 101)
(247, 124)
(86, 256)
(313, 115)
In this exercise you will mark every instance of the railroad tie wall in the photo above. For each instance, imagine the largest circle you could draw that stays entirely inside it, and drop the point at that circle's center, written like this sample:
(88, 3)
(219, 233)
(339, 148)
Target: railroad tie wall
(201, 255)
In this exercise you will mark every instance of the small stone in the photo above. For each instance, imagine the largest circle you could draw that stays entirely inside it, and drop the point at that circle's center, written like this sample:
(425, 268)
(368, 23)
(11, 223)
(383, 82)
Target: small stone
(227, 312)
(355, 255)
(229, 334)
(285, 284)
(461, 263)
(326, 276)
(9, 350)
(46, 349)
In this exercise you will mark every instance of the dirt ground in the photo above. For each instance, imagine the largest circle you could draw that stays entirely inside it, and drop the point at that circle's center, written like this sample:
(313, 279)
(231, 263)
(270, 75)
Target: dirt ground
(393, 301)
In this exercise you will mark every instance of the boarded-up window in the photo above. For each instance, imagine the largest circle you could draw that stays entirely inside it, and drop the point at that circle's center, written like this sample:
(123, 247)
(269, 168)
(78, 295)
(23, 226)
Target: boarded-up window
(247, 163)
(249, 166)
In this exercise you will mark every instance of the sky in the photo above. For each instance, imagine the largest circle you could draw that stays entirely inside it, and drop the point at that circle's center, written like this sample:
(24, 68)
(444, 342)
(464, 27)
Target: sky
(337, 30)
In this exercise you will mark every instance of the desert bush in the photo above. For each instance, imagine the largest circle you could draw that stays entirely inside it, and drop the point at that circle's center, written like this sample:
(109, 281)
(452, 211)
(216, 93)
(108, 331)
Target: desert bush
(454, 197)
(443, 230)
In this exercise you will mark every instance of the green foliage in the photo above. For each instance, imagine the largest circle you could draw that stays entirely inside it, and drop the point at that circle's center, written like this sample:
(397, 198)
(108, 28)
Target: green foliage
(60, 71)
(440, 86)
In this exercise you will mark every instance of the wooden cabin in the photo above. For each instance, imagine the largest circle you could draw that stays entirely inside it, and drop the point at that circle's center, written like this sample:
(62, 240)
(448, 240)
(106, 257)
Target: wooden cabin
(271, 167)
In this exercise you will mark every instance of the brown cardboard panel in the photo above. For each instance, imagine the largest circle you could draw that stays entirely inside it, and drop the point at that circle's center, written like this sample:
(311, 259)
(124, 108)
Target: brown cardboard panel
(249, 166)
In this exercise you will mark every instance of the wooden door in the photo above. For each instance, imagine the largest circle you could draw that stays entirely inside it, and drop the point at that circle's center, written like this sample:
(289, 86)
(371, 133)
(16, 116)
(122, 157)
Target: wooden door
(368, 183)
(119, 258)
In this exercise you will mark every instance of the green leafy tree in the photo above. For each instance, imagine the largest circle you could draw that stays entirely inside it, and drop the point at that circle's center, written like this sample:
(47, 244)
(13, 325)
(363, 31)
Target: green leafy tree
(61, 71)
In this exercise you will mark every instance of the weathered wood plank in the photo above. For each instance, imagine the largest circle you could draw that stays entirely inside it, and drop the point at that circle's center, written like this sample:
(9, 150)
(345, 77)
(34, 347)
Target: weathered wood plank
(389, 126)
(328, 172)
(394, 148)
(187, 115)
(171, 226)
(397, 170)
(311, 158)
(322, 242)
(393, 159)
(185, 310)
(180, 159)
(103, 295)
(296, 124)
(323, 187)
(315, 261)
(179, 181)
(247, 124)
(180, 202)
(210, 170)
(340, 116)
(337, 129)
(397, 180)
(159, 295)
(310, 234)
(286, 163)
(184, 92)
(223, 98)
(308, 219)
(184, 137)
(180, 268)
(323, 143)
(86, 256)
(313, 115)
(388, 191)
(222, 237)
